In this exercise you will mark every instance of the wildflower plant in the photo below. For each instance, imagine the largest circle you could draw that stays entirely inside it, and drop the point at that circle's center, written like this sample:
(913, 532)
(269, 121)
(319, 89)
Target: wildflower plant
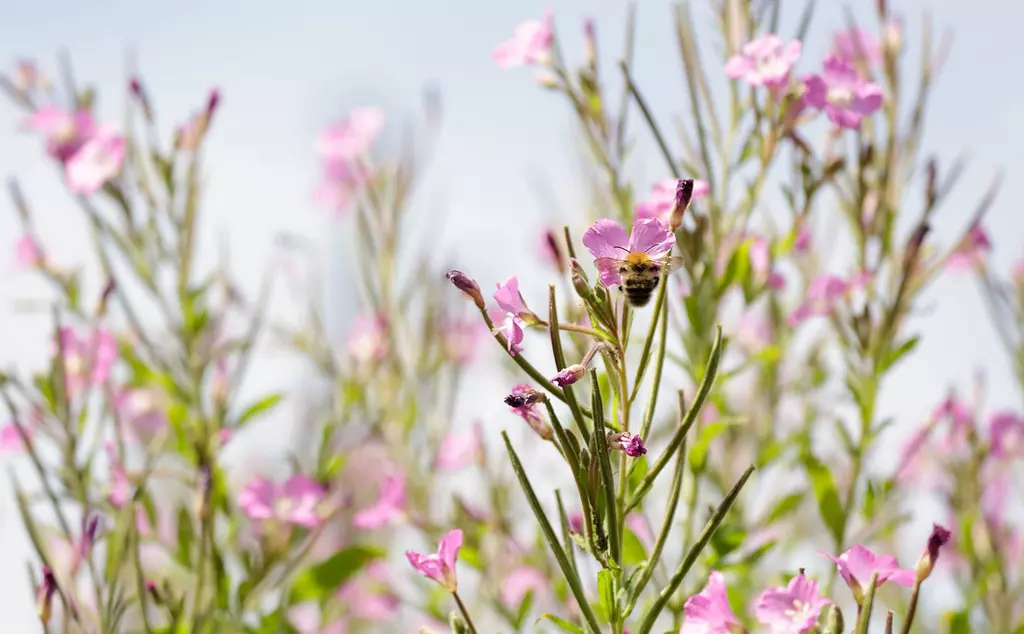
(698, 387)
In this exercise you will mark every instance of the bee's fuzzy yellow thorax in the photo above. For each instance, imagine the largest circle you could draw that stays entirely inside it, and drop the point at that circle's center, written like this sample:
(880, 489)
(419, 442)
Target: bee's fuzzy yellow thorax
(637, 258)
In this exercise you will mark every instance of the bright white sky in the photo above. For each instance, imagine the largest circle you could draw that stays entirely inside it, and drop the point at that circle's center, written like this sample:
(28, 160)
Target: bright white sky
(284, 72)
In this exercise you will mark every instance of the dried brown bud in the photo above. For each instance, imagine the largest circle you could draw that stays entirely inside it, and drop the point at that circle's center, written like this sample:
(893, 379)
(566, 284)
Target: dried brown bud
(468, 286)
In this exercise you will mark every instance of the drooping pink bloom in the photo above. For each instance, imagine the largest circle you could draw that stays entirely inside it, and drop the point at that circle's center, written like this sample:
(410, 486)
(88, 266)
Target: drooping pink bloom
(142, 410)
(27, 252)
(368, 339)
(461, 338)
(96, 162)
(632, 444)
(369, 596)
(845, 96)
(65, 132)
(389, 507)
(972, 251)
(607, 241)
(824, 294)
(518, 582)
(297, 501)
(440, 567)
(87, 360)
(1007, 433)
(519, 402)
(663, 195)
(765, 61)
(530, 44)
(858, 564)
(709, 612)
(352, 136)
(857, 45)
(792, 609)
(10, 437)
(511, 327)
(510, 300)
(458, 451)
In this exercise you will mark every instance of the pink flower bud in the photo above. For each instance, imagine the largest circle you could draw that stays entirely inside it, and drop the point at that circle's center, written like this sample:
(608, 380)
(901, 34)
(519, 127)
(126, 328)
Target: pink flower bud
(940, 537)
(569, 375)
(468, 286)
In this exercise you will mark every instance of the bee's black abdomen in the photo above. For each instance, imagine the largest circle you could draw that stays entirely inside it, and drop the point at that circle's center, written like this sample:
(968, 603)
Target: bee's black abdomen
(638, 296)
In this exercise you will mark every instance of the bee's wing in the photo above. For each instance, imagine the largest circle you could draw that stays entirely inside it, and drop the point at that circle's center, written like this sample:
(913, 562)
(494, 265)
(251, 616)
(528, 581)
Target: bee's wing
(608, 263)
(670, 265)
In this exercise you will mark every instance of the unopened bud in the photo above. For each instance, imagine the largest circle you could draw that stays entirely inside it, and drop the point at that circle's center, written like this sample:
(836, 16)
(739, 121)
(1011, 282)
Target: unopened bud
(940, 537)
(141, 97)
(457, 623)
(154, 592)
(892, 37)
(569, 375)
(834, 621)
(468, 286)
(546, 79)
(684, 192)
(211, 104)
(589, 43)
(580, 281)
(45, 595)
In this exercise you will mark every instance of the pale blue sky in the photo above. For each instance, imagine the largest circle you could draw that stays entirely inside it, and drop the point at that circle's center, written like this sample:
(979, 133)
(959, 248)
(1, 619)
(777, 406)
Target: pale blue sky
(287, 68)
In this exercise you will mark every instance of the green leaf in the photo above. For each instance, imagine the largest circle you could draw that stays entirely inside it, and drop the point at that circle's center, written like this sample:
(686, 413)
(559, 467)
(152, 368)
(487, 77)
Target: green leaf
(564, 625)
(727, 539)
(637, 473)
(321, 580)
(707, 435)
(259, 407)
(185, 538)
(633, 551)
(524, 610)
(737, 268)
(606, 594)
(829, 505)
(784, 507)
(894, 356)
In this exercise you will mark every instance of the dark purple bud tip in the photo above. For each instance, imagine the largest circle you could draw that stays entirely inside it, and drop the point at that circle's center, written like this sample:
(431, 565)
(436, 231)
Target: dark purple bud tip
(515, 400)
(635, 448)
(212, 102)
(569, 375)
(940, 537)
(684, 192)
(467, 285)
(135, 86)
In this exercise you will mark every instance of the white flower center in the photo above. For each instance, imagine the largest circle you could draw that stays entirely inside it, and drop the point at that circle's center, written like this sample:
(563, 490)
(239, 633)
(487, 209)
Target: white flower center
(799, 611)
(66, 131)
(840, 97)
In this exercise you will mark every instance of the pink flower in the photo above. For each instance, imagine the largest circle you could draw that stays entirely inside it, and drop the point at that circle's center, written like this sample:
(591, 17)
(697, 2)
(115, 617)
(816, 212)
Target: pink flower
(512, 329)
(765, 61)
(708, 612)
(120, 487)
(460, 450)
(858, 564)
(27, 252)
(576, 523)
(1007, 431)
(607, 241)
(856, 45)
(632, 444)
(65, 132)
(753, 333)
(635, 522)
(342, 178)
(369, 596)
(803, 240)
(96, 162)
(519, 403)
(510, 300)
(760, 254)
(844, 95)
(972, 251)
(530, 44)
(142, 410)
(663, 195)
(387, 509)
(569, 375)
(10, 438)
(297, 501)
(793, 609)
(352, 136)
(518, 582)
(368, 339)
(87, 360)
(440, 567)
(460, 339)
(824, 294)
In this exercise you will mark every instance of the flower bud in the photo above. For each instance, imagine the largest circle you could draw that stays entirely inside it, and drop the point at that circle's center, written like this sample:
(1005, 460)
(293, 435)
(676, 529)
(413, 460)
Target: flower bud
(139, 92)
(468, 286)
(939, 537)
(684, 192)
(457, 623)
(632, 444)
(589, 43)
(580, 281)
(569, 375)
(44, 596)
(154, 592)
(834, 621)
(892, 37)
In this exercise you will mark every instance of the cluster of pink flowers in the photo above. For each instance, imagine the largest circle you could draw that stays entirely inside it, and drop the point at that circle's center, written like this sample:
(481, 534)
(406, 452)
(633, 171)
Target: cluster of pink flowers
(343, 147)
(91, 155)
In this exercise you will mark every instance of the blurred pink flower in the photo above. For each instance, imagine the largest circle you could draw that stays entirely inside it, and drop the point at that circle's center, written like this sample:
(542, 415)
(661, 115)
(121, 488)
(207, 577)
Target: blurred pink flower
(27, 251)
(142, 410)
(1017, 272)
(550, 252)
(10, 437)
(1007, 432)
(753, 332)
(530, 44)
(441, 566)
(461, 338)
(760, 253)
(369, 595)
(87, 360)
(352, 136)
(608, 243)
(764, 61)
(824, 294)
(844, 96)
(576, 522)
(635, 522)
(708, 612)
(307, 618)
(858, 564)
(368, 339)
(856, 45)
(460, 450)
(65, 132)
(518, 582)
(120, 488)
(792, 609)
(663, 195)
(27, 76)
(803, 240)
(342, 178)
(995, 493)
(972, 251)
(388, 508)
(96, 162)
(297, 501)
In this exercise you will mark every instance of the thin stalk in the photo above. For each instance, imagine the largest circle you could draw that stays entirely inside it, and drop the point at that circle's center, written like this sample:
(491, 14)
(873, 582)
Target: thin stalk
(659, 303)
(662, 145)
(912, 608)
(864, 609)
(659, 366)
(568, 451)
(523, 363)
(605, 464)
(464, 611)
(556, 349)
(691, 557)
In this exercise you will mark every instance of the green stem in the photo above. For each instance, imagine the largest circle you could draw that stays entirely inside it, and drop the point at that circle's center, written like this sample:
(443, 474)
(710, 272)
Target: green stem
(912, 608)
(659, 304)
(569, 452)
(605, 464)
(864, 609)
(559, 354)
(464, 611)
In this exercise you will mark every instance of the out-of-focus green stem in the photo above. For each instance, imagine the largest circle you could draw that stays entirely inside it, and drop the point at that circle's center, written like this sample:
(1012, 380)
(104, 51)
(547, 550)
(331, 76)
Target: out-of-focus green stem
(864, 609)
(655, 130)
(659, 305)
(604, 461)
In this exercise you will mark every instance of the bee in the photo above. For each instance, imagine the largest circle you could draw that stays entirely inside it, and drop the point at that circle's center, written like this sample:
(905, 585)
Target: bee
(639, 274)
